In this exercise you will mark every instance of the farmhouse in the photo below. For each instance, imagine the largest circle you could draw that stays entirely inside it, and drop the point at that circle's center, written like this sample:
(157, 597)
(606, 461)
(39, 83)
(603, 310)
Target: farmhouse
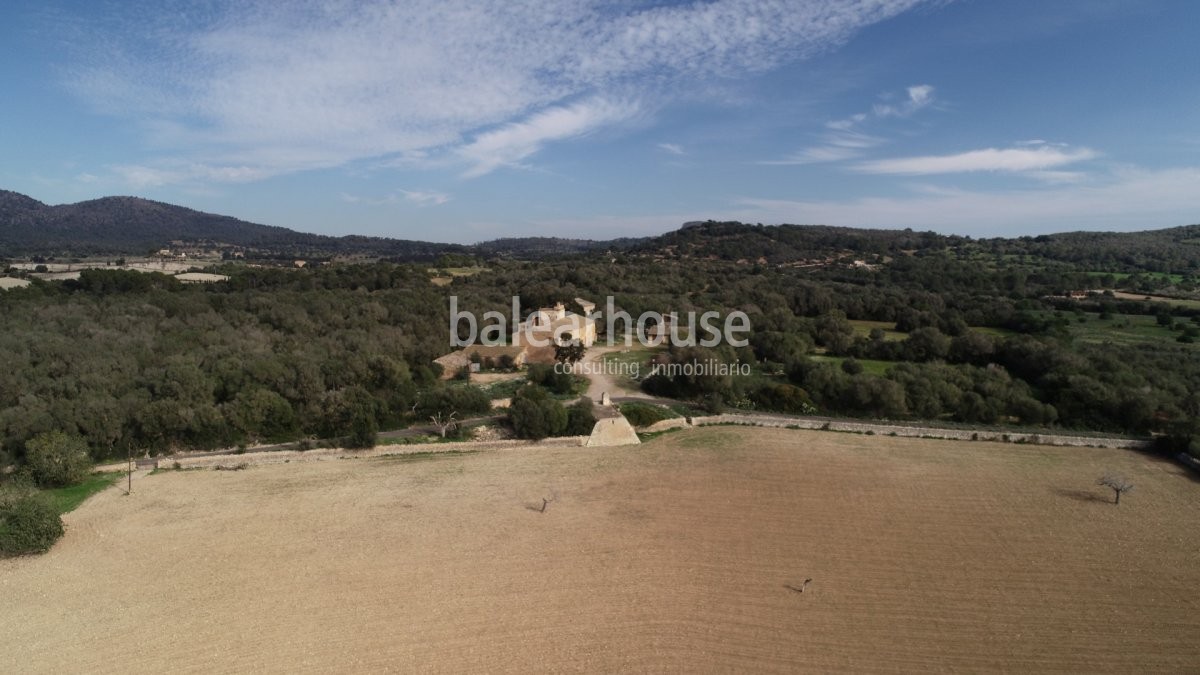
(550, 324)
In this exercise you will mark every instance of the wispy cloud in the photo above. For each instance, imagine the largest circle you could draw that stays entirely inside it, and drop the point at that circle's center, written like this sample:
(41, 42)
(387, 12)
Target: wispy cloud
(425, 198)
(1126, 199)
(919, 96)
(513, 142)
(257, 87)
(417, 197)
(172, 172)
(1038, 158)
(672, 148)
(845, 139)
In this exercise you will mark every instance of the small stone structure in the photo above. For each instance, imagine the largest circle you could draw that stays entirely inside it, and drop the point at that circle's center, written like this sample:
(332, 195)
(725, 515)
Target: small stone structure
(612, 431)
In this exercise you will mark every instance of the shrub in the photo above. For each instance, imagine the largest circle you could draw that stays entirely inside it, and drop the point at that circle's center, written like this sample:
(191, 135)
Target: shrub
(557, 381)
(534, 415)
(580, 418)
(57, 460)
(644, 414)
(712, 404)
(28, 524)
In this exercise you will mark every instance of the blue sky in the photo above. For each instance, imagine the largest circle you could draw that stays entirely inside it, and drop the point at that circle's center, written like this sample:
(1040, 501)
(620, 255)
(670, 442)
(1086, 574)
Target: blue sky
(461, 121)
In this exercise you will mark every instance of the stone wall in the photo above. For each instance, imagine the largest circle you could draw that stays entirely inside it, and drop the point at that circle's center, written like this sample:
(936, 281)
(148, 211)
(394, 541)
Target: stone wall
(881, 429)
(666, 425)
(322, 454)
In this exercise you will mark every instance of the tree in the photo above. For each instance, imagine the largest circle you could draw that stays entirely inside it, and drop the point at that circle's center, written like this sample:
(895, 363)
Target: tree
(1118, 484)
(553, 379)
(568, 352)
(534, 415)
(28, 524)
(351, 412)
(580, 418)
(57, 460)
(444, 423)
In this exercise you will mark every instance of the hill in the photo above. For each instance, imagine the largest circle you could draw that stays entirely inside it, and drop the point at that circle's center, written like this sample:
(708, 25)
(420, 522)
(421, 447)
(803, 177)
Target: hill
(1175, 249)
(131, 225)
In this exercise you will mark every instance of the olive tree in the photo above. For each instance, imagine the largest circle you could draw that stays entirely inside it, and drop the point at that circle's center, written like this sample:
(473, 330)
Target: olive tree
(1118, 484)
(56, 459)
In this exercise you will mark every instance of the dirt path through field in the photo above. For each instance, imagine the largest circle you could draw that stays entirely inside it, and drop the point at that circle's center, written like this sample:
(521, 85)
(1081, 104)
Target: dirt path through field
(600, 381)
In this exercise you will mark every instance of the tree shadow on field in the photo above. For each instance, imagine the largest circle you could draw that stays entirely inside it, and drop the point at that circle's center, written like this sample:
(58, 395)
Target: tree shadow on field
(1083, 496)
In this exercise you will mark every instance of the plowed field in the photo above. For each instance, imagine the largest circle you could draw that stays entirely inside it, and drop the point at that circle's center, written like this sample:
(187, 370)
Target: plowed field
(675, 555)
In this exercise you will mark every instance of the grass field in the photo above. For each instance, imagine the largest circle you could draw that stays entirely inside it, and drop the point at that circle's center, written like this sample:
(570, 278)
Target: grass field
(69, 498)
(870, 366)
(863, 328)
(1122, 329)
(1122, 276)
(675, 555)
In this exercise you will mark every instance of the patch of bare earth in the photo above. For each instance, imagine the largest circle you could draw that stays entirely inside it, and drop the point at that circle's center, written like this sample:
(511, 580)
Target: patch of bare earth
(673, 555)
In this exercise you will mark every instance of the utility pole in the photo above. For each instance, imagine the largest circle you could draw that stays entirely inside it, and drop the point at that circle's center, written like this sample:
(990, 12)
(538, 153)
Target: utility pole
(129, 471)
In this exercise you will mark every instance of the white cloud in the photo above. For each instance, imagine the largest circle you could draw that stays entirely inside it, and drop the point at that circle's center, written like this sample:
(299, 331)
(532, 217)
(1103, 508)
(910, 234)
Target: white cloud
(281, 87)
(672, 148)
(845, 140)
(919, 96)
(425, 198)
(513, 142)
(1038, 158)
(172, 172)
(417, 197)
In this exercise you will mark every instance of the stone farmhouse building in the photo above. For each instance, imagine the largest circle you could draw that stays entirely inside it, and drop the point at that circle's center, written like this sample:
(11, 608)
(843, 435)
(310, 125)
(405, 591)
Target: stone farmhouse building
(553, 324)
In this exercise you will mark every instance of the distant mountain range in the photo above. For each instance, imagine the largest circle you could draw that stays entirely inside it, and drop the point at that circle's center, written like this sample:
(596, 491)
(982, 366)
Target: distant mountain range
(130, 225)
(135, 226)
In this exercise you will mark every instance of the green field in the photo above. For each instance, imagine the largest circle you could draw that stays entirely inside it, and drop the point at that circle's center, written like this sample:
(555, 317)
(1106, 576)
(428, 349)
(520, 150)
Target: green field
(863, 328)
(69, 498)
(870, 366)
(1121, 276)
(1122, 329)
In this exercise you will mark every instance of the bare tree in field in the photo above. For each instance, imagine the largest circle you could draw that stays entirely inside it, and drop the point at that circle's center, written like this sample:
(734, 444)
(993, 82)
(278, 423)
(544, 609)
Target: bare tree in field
(1118, 484)
(545, 503)
(801, 587)
(444, 423)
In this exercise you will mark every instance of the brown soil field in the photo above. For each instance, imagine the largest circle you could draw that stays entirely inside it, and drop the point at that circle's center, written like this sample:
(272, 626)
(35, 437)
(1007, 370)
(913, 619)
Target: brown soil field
(670, 556)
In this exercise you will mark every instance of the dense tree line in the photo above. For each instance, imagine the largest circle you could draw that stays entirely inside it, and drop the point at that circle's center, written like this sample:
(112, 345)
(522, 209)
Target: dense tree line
(138, 361)
(154, 366)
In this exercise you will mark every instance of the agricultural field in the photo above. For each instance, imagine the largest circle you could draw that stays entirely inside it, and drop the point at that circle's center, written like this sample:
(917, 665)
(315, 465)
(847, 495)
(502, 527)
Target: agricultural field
(871, 366)
(680, 554)
(1181, 302)
(1122, 329)
(863, 328)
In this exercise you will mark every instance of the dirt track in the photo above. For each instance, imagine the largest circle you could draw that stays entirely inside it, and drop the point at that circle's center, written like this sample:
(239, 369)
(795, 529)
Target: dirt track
(673, 555)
